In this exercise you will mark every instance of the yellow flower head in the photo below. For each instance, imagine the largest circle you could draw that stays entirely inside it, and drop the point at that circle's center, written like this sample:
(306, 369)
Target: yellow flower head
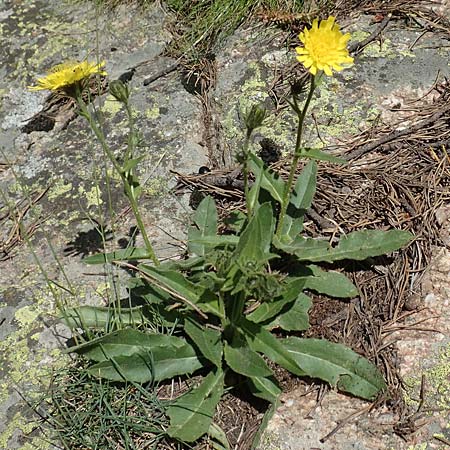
(68, 74)
(325, 47)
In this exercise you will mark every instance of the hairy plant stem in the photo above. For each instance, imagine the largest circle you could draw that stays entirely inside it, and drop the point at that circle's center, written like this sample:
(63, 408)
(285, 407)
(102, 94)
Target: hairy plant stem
(128, 188)
(298, 153)
(245, 172)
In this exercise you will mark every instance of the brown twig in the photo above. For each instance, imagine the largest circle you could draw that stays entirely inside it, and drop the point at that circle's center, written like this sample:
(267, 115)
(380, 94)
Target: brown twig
(357, 47)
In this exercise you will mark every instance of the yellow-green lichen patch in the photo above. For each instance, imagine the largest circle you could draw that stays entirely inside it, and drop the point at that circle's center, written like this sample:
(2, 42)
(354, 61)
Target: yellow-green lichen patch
(376, 49)
(58, 189)
(422, 446)
(254, 91)
(18, 422)
(45, 38)
(155, 187)
(25, 355)
(93, 196)
(437, 379)
(111, 106)
(334, 116)
(152, 113)
(26, 315)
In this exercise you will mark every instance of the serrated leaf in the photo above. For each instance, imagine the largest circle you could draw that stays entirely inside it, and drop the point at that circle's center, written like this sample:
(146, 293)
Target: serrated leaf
(261, 340)
(357, 246)
(338, 365)
(127, 254)
(360, 245)
(205, 220)
(207, 340)
(315, 153)
(191, 414)
(296, 318)
(264, 387)
(245, 361)
(302, 247)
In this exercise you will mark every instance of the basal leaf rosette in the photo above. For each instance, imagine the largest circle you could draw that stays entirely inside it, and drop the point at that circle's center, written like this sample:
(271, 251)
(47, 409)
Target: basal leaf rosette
(324, 47)
(67, 75)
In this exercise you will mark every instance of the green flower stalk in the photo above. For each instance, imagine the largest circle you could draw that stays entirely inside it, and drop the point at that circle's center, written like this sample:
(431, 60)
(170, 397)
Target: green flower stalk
(71, 79)
(324, 50)
(253, 118)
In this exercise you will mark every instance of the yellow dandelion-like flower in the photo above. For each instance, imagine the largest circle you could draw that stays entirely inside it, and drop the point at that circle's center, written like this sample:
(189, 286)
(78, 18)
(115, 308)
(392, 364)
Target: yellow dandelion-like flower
(324, 47)
(68, 74)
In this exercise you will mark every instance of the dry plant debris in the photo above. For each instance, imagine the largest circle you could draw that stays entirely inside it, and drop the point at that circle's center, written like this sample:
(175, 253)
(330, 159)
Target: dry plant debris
(14, 230)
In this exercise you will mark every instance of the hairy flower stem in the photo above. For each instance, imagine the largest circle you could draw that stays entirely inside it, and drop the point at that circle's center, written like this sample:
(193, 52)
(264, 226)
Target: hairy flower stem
(298, 153)
(245, 173)
(128, 188)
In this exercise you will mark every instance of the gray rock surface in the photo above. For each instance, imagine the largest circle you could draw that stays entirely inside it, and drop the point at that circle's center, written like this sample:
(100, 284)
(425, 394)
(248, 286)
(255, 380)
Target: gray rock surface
(35, 35)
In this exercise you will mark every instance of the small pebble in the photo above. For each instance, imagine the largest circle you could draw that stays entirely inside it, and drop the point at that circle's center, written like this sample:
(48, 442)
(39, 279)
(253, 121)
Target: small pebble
(289, 402)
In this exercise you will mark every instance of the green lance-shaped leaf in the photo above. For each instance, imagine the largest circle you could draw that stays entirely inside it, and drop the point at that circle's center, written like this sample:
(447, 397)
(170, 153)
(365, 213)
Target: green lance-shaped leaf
(261, 340)
(207, 340)
(358, 246)
(264, 387)
(195, 263)
(315, 153)
(140, 357)
(254, 242)
(267, 310)
(338, 365)
(292, 225)
(266, 179)
(205, 220)
(300, 200)
(332, 283)
(219, 436)
(296, 318)
(128, 254)
(132, 163)
(215, 241)
(173, 282)
(136, 368)
(245, 361)
(305, 187)
(100, 316)
(265, 421)
(191, 414)
(160, 364)
(302, 247)
(126, 342)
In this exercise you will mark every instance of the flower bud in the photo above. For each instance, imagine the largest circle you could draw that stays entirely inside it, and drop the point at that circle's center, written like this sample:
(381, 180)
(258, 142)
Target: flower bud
(119, 91)
(254, 117)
